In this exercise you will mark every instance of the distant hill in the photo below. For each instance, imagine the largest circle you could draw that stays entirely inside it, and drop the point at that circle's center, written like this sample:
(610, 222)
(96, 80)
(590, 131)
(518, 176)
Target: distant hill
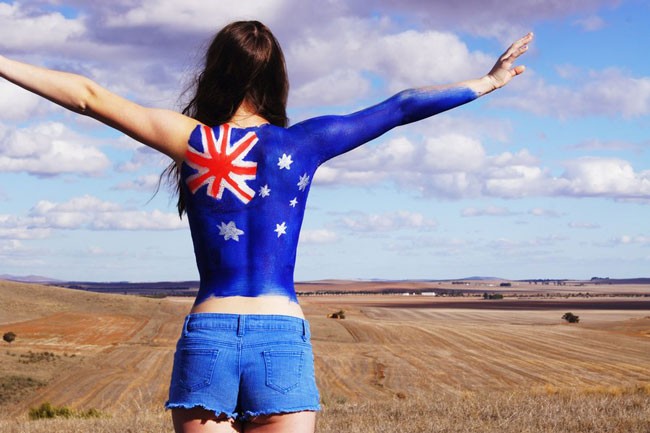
(190, 288)
(481, 279)
(160, 288)
(641, 280)
(28, 279)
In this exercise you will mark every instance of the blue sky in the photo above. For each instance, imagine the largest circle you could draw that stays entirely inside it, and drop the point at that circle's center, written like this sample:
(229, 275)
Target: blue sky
(546, 178)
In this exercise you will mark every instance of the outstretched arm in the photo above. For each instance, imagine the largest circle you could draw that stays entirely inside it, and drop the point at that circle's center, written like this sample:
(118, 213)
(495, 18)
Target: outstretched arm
(163, 130)
(333, 135)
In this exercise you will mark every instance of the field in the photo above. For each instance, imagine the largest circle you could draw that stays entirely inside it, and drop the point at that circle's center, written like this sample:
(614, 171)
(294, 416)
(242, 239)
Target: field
(432, 363)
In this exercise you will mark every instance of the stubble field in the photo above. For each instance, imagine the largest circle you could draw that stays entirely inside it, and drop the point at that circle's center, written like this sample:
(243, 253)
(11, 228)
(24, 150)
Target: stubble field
(395, 363)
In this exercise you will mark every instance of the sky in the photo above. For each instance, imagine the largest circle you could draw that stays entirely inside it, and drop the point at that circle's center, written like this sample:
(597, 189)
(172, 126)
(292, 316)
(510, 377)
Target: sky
(548, 177)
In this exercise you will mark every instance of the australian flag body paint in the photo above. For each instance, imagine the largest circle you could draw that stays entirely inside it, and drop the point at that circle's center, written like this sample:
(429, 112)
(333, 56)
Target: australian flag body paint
(246, 188)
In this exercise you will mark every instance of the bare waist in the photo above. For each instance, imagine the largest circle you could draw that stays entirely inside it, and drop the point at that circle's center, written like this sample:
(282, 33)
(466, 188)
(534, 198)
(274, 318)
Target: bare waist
(270, 304)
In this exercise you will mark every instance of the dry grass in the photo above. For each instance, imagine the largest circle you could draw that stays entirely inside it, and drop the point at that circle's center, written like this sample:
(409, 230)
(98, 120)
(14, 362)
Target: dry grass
(144, 422)
(13, 388)
(503, 412)
(622, 410)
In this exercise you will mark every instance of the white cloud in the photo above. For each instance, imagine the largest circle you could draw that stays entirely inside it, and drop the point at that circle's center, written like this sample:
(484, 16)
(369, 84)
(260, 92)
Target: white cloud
(631, 240)
(513, 245)
(457, 166)
(49, 149)
(144, 156)
(11, 247)
(443, 164)
(339, 87)
(126, 142)
(590, 176)
(399, 57)
(591, 23)
(610, 92)
(16, 103)
(487, 211)
(353, 46)
(147, 183)
(541, 212)
(583, 225)
(15, 228)
(518, 181)
(194, 14)
(319, 236)
(450, 165)
(86, 212)
(387, 222)
(610, 145)
(95, 250)
(486, 17)
(453, 153)
(27, 30)
(432, 245)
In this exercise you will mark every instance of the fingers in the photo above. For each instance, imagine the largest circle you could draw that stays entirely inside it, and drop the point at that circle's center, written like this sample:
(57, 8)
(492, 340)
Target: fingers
(519, 47)
(519, 69)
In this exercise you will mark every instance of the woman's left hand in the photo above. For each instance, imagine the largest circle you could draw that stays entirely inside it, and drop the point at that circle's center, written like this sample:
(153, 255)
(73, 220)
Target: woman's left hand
(503, 71)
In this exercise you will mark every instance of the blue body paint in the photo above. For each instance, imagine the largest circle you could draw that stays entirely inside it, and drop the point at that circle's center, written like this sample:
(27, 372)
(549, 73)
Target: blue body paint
(247, 188)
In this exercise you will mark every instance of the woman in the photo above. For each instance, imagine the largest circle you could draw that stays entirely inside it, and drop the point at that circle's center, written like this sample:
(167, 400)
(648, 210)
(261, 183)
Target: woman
(244, 360)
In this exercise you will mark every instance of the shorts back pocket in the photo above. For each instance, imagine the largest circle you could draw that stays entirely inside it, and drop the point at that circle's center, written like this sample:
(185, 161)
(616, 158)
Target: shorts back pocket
(194, 367)
(283, 369)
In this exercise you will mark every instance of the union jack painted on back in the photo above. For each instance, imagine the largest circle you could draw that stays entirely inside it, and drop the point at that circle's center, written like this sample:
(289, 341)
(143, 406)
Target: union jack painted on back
(220, 165)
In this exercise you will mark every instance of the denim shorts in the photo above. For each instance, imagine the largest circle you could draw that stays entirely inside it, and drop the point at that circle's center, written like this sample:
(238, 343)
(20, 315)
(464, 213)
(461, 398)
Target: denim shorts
(241, 366)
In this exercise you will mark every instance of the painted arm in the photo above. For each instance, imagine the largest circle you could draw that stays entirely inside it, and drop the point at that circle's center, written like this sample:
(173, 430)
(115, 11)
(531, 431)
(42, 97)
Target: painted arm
(163, 130)
(334, 135)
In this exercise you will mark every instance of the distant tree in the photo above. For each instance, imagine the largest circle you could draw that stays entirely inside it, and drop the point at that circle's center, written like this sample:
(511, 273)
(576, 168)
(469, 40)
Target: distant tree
(571, 318)
(338, 315)
(9, 336)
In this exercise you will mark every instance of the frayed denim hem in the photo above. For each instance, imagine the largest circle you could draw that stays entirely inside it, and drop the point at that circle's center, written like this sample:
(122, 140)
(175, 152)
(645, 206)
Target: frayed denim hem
(247, 415)
(217, 413)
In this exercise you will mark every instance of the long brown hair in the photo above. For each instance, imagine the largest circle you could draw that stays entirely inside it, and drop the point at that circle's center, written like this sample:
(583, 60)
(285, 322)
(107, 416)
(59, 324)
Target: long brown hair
(244, 62)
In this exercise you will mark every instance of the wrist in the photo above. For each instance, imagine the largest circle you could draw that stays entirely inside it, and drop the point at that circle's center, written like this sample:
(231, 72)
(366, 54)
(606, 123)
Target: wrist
(485, 85)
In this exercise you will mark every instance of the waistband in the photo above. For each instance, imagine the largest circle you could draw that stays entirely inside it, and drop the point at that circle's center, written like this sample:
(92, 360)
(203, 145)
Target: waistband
(246, 322)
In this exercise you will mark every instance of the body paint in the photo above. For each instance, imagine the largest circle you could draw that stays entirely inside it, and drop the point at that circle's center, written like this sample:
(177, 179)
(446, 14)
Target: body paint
(246, 189)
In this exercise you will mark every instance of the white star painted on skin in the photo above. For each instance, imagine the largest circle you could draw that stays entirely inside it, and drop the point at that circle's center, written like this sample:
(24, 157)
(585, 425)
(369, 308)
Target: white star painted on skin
(230, 231)
(281, 229)
(304, 181)
(265, 191)
(285, 161)
(294, 202)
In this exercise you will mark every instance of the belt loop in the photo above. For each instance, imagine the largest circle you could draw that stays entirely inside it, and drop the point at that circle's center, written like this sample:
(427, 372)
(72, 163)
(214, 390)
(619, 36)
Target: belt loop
(305, 330)
(241, 322)
(185, 323)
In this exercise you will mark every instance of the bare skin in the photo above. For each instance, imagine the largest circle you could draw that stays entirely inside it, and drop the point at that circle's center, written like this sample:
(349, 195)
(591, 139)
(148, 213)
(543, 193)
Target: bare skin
(168, 132)
(199, 420)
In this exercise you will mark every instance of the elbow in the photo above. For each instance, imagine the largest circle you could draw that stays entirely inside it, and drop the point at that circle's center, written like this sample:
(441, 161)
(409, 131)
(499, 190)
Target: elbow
(86, 98)
(405, 106)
